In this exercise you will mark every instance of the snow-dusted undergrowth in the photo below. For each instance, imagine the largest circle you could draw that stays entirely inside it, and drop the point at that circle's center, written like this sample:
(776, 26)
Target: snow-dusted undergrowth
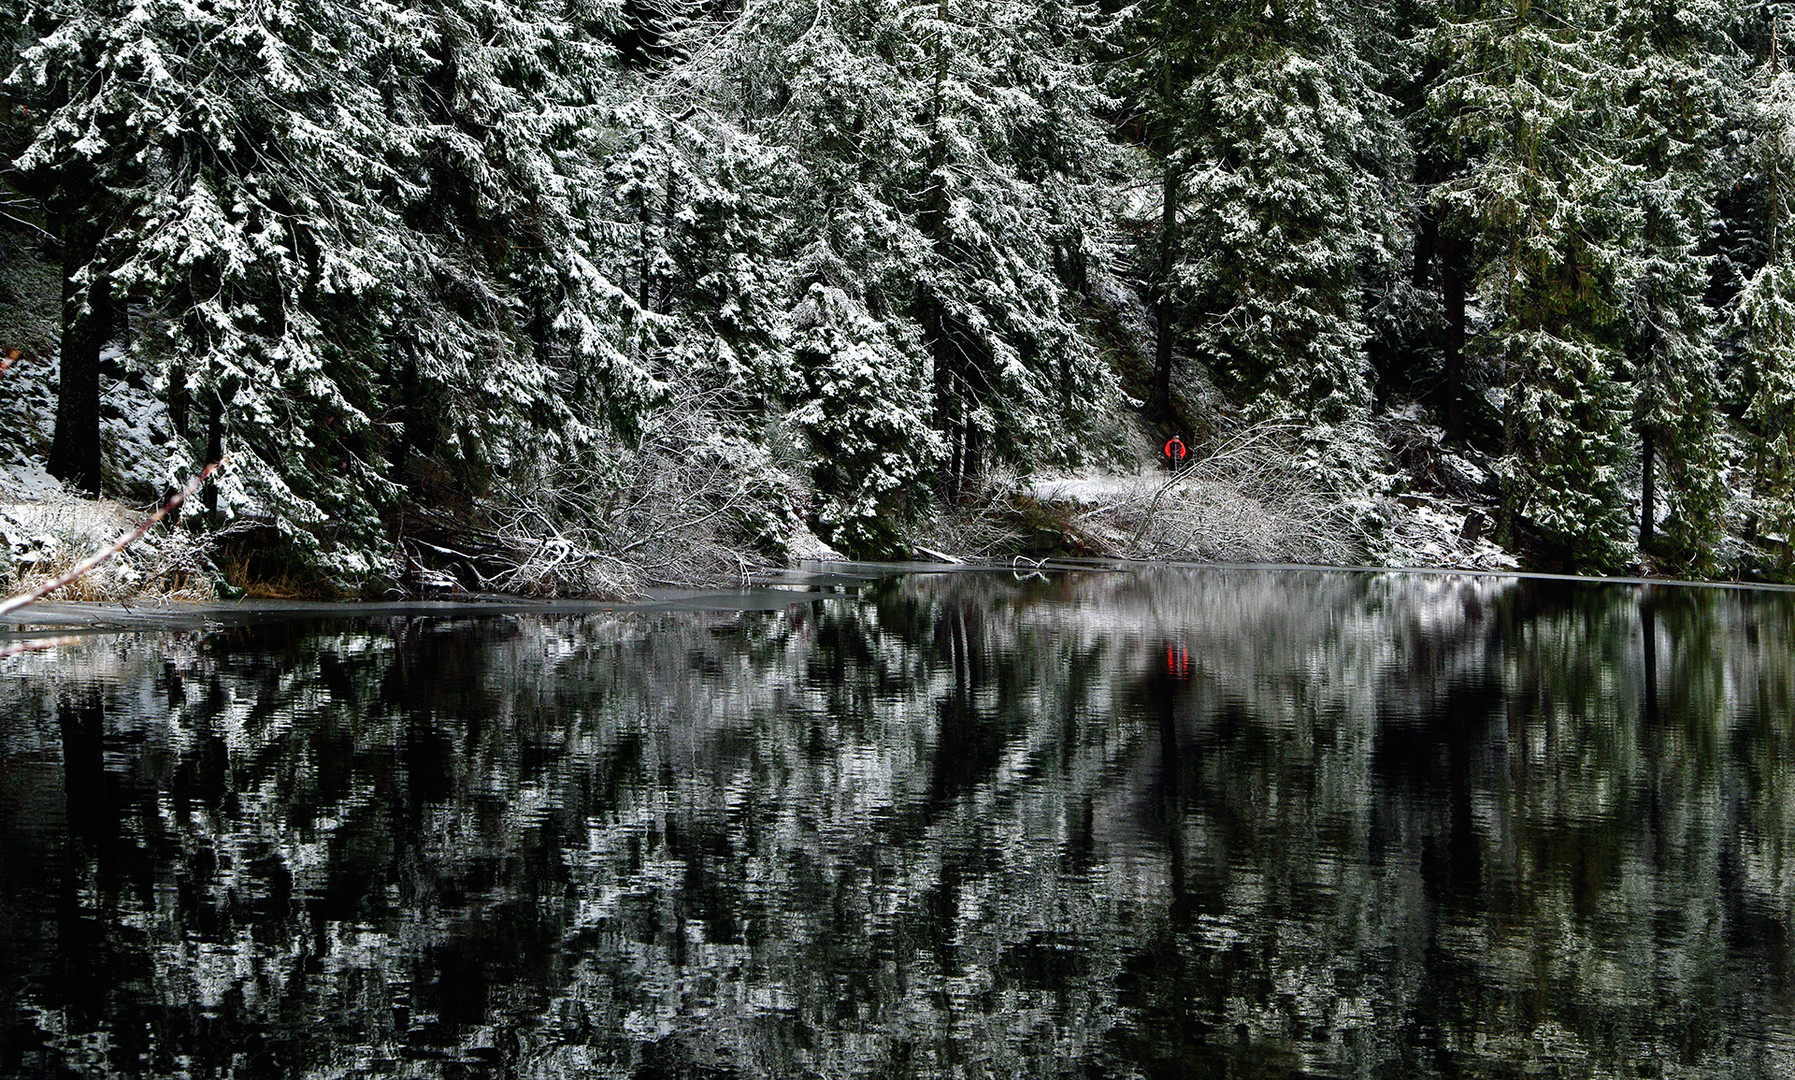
(45, 530)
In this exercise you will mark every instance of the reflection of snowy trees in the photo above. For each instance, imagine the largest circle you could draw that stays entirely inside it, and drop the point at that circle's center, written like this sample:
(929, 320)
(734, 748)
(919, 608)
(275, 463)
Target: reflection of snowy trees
(960, 825)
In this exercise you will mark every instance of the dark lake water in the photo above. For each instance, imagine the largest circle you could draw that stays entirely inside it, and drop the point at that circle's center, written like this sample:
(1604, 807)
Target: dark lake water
(1160, 823)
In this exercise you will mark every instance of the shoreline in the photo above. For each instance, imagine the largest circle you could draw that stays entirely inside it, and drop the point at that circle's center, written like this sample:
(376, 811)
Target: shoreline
(770, 592)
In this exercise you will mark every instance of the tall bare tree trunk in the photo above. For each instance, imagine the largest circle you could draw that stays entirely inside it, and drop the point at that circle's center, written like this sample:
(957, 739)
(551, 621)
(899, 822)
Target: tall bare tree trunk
(86, 327)
(1452, 293)
(950, 387)
(214, 447)
(1164, 336)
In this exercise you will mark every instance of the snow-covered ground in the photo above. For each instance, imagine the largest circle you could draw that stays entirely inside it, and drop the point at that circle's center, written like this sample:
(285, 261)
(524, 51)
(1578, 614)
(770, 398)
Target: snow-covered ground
(27, 414)
(1206, 517)
(134, 432)
(45, 529)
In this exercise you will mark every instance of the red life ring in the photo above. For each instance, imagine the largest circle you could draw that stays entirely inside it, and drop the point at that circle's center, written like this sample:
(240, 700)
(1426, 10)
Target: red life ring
(1175, 449)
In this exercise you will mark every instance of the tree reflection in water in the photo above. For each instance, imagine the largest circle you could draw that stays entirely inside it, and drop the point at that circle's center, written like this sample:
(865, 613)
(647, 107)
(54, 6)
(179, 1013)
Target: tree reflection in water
(1161, 823)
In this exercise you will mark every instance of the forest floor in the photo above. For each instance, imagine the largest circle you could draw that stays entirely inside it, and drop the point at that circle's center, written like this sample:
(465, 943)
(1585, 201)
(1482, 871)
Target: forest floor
(1146, 514)
(1223, 514)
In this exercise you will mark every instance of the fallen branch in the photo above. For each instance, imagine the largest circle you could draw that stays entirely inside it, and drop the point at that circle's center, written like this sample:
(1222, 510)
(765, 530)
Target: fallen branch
(32, 596)
(1153, 507)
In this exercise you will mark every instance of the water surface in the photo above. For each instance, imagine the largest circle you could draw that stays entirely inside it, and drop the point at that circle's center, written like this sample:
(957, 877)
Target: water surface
(1138, 824)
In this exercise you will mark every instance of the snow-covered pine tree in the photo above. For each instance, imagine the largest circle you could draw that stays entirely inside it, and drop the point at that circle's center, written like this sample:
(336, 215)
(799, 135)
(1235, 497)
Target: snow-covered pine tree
(1677, 72)
(987, 215)
(864, 410)
(1416, 310)
(698, 248)
(947, 153)
(698, 203)
(1402, 305)
(1159, 62)
(1284, 148)
(504, 113)
(227, 169)
(334, 216)
(1526, 101)
(74, 172)
(19, 108)
(1763, 319)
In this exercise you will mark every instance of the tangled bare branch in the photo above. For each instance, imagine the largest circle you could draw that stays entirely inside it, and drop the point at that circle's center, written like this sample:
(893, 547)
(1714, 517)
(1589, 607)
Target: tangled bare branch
(1247, 498)
(669, 509)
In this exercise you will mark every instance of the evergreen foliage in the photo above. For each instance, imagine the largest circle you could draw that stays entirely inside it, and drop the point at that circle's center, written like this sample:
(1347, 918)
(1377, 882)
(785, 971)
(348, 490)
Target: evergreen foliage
(386, 255)
(1283, 148)
(1527, 91)
(1677, 69)
(1764, 314)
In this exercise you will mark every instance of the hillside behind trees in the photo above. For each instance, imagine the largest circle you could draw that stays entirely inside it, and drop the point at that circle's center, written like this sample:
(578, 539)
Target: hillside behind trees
(565, 295)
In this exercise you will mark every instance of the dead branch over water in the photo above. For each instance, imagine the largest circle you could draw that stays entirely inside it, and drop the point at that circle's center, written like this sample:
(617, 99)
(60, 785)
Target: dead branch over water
(125, 540)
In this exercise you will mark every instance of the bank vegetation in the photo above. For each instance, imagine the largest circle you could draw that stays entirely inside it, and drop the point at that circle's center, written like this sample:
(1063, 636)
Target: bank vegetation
(579, 297)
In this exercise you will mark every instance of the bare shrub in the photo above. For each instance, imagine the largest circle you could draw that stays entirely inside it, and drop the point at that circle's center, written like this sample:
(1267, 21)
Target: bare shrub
(82, 549)
(980, 526)
(1244, 499)
(692, 502)
(1260, 494)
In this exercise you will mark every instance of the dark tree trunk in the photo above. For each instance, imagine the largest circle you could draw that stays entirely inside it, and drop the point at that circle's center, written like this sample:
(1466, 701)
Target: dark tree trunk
(1427, 242)
(1163, 340)
(86, 327)
(950, 387)
(1648, 492)
(950, 409)
(972, 462)
(179, 401)
(956, 457)
(1452, 293)
(669, 219)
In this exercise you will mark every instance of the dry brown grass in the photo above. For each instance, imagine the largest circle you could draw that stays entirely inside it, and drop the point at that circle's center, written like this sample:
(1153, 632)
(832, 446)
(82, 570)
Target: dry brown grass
(50, 538)
(281, 586)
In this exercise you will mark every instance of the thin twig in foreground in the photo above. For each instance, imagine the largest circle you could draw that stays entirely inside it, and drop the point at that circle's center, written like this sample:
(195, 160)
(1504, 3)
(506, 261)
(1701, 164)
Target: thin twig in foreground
(14, 603)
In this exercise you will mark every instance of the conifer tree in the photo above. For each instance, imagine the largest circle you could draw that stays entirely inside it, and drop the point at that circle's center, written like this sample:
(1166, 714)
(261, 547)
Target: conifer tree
(1161, 63)
(951, 152)
(1286, 152)
(240, 207)
(77, 173)
(1676, 69)
(1526, 97)
(328, 213)
(864, 408)
(1764, 312)
(1421, 320)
